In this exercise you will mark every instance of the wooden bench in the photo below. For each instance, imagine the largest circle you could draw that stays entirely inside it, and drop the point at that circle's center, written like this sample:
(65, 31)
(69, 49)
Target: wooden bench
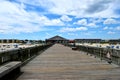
(9, 70)
(74, 48)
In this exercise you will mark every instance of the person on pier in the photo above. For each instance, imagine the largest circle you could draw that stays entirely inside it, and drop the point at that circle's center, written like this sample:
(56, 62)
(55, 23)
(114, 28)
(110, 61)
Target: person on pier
(109, 57)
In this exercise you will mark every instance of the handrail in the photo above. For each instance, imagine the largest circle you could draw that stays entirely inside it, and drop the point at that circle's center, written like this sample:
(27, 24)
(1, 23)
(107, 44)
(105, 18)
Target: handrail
(21, 54)
(102, 52)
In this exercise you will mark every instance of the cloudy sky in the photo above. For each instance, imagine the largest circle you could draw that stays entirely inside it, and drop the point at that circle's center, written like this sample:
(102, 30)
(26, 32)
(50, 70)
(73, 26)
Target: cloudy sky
(72, 19)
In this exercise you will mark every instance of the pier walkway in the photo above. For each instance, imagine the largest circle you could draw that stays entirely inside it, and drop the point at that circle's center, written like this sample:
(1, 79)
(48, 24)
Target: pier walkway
(62, 63)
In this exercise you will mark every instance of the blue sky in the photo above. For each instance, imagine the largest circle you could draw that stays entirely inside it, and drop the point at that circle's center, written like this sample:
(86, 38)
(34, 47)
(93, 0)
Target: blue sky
(72, 19)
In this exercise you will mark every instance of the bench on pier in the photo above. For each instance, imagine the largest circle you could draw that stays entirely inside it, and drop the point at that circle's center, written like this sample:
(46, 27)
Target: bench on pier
(74, 48)
(10, 70)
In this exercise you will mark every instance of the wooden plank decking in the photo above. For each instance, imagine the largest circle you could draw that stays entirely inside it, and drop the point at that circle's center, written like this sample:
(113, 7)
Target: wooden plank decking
(61, 63)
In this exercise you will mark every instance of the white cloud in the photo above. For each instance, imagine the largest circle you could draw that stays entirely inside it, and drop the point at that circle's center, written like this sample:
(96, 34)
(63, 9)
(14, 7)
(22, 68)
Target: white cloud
(111, 32)
(29, 16)
(91, 8)
(96, 20)
(72, 34)
(66, 18)
(92, 25)
(117, 28)
(68, 29)
(53, 22)
(70, 7)
(11, 8)
(81, 28)
(105, 28)
(15, 19)
(78, 8)
(110, 21)
(85, 23)
(81, 22)
(44, 21)
(111, 28)
(57, 22)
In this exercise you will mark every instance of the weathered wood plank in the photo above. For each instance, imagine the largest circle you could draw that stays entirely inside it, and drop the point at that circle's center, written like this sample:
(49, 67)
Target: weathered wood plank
(62, 63)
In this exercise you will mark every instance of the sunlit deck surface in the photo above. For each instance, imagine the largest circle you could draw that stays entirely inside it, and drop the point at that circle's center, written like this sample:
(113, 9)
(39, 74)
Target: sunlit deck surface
(62, 63)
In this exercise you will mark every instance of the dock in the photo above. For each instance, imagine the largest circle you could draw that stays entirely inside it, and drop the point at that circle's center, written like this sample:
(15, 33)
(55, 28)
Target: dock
(60, 62)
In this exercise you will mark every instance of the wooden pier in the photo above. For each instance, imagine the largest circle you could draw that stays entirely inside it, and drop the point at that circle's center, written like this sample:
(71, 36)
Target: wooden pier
(62, 63)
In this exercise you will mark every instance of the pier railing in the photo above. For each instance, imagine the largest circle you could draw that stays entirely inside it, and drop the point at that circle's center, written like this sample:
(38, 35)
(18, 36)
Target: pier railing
(21, 54)
(102, 53)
